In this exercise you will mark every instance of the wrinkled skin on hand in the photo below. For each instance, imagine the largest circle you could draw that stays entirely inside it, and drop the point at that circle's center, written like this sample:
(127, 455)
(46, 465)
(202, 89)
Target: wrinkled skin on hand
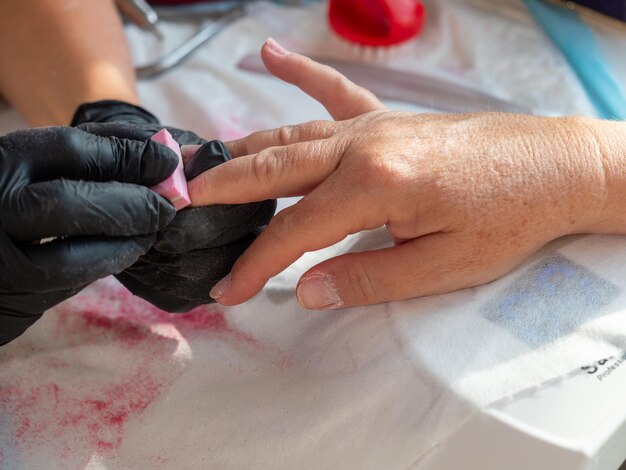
(466, 198)
(202, 243)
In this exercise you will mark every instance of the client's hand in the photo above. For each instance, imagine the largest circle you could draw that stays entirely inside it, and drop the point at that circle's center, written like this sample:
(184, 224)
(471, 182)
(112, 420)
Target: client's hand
(86, 191)
(465, 197)
(200, 246)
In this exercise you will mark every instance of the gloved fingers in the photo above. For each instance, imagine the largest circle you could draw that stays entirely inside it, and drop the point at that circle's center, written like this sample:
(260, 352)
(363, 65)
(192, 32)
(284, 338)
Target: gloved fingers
(159, 277)
(20, 310)
(13, 324)
(177, 283)
(68, 208)
(66, 264)
(206, 157)
(168, 288)
(201, 268)
(212, 226)
(29, 304)
(184, 137)
(129, 130)
(121, 130)
(194, 228)
(130, 161)
(112, 111)
(167, 301)
(66, 152)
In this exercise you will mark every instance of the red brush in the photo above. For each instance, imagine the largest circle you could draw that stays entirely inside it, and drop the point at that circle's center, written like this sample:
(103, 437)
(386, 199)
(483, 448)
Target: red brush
(377, 22)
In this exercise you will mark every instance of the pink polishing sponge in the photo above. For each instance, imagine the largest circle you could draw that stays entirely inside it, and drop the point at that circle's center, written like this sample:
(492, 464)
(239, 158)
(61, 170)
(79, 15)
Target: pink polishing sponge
(173, 188)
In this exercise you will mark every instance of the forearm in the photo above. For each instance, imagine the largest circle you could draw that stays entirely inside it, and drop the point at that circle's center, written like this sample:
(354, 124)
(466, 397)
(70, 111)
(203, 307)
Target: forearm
(56, 54)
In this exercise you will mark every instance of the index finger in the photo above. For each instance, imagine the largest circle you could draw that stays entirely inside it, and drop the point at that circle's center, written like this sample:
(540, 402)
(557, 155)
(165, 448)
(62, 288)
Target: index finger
(342, 98)
(274, 172)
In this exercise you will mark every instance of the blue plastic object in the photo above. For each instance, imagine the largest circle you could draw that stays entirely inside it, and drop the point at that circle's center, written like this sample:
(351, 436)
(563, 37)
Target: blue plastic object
(577, 43)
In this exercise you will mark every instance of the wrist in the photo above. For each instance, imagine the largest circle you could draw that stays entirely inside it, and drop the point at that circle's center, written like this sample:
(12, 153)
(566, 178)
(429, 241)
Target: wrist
(607, 143)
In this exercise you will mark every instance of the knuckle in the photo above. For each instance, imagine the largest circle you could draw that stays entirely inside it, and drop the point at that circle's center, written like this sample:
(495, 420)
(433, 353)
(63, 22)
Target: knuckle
(295, 230)
(265, 167)
(381, 170)
(319, 128)
(345, 87)
(366, 96)
(285, 135)
(302, 66)
(361, 98)
(341, 84)
(244, 264)
(360, 282)
(281, 227)
(204, 180)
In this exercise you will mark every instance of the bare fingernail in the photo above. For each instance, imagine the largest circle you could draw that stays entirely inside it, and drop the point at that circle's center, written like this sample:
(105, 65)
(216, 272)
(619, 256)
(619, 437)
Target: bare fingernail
(188, 151)
(275, 47)
(318, 291)
(220, 288)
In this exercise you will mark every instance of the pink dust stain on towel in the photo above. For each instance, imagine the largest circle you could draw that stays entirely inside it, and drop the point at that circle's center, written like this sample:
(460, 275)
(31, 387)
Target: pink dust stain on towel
(173, 188)
(116, 354)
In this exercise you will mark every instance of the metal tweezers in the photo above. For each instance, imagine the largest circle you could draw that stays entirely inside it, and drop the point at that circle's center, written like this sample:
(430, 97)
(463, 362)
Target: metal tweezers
(219, 15)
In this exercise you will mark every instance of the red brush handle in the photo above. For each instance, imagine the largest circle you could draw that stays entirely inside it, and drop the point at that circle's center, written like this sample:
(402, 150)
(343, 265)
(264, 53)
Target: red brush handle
(377, 22)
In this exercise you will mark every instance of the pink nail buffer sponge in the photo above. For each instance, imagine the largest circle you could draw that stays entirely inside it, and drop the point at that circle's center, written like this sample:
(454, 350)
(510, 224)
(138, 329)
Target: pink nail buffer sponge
(173, 188)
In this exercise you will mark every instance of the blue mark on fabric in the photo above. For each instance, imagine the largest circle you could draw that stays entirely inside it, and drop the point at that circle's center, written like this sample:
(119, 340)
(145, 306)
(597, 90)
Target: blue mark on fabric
(551, 299)
(8, 452)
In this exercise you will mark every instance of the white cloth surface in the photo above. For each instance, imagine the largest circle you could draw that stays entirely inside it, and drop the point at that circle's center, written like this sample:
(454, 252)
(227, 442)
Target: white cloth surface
(106, 381)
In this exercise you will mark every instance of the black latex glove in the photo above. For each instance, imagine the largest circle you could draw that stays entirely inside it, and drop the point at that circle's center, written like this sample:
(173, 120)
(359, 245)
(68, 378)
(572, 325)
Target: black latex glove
(202, 243)
(88, 192)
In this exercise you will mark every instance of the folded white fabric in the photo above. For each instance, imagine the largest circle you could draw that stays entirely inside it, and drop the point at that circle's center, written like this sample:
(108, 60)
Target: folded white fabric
(561, 310)
(106, 381)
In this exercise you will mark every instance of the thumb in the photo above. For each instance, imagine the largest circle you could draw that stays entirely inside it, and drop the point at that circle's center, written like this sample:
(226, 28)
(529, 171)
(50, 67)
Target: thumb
(342, 98)
(432, 264)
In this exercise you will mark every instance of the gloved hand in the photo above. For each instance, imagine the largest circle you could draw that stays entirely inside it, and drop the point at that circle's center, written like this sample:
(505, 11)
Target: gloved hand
(202, 243)
(88, 192)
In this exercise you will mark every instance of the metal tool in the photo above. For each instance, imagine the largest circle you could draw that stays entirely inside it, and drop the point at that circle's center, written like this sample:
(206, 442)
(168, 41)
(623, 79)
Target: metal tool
(182, 52)
(186, 12)
(141, 14)
(409, 87)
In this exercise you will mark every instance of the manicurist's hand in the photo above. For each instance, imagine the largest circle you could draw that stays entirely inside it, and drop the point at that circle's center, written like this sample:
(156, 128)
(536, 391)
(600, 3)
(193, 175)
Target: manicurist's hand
(201, 244)
(88, 192)
(465, 197)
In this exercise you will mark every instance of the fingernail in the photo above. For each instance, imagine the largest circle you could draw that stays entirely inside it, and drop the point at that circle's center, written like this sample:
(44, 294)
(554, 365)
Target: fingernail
(220, 288)
(275, 47)
(188, 151)
(318, 291)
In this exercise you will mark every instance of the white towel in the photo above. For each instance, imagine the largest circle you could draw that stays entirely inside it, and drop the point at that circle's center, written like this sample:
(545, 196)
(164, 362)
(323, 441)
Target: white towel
(105, 381)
